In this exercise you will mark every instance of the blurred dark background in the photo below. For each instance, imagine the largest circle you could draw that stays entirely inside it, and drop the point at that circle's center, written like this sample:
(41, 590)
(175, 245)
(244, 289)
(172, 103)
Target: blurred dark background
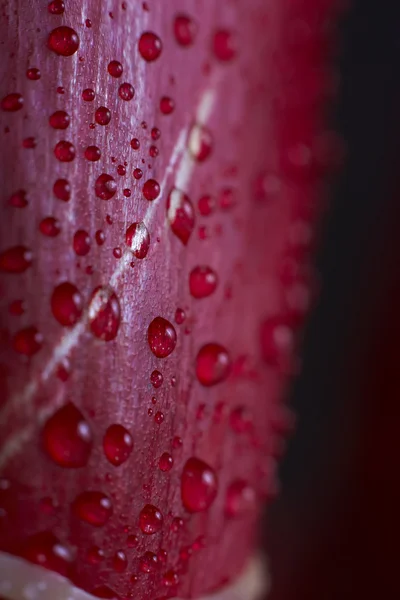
(334, 531)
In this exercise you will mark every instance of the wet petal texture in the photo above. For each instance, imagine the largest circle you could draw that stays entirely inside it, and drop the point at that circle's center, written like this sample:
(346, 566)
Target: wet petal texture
(142, 359)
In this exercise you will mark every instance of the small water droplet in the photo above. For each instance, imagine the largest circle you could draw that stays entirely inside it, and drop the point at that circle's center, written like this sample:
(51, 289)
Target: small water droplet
(224, 45)
(95, 555)
(67, 438)
(117, 444)
(132, 541)
(16, 259)
(50, 227)
(277, 343)
(200, 142)
(64, 151)
(88, 95)
(18, 199)
(150, 519)
(81, 242)
(212, 364)
(102, 116)
(240, 499)
(66, 304)
(202, 282)
(29, 143)
(151, 189)
(159, 417)
(180, 316)
(180, 214)
(33, 74)
(104, 313)
(185, 30)
(167, 105)
(206, 205)
(135, 144)
(199, 485)
(126, 91)
(161, 336)
(150, 46)
(93, 507)
(12, 102)
(115, 68)
(137, 173)
(137, 238)
(241, 420)
(156, 379)
(170, 578)
(63, 41)
(27, 341)
(165, 462)
(120, 562)
(100, 237)
(93, 153)
(56, 7)
(62, 190)
(46, 550)
(105, 186)
(59, 120)
(148, 562)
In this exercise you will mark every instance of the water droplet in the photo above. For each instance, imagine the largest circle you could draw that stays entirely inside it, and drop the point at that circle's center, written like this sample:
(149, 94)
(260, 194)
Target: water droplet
(185, 30)
(100, 237)
(105, 186)
(12, 102)
(120, 562)
(29, 143)
(93, 507)
(170, 578)
(59, 120)
(150, 46)
(180, 214)
(135, 144)
(16, 259)
(202, 282)
(95, 555)
(66, 304)
(159, 417)
(18, 199)
(64, 151)
(132, 541)
(115, 68)
(93, 153)
(200, 142)
(277, 342)
(206, 205)
(67, 438)
(50, 226)
(224, 46)
(212, 364)
(226, 198)
(33, 74)
(240, 499)
(62, 190)
(165, 462)
(167, 105)
(156, 379)
(137, 238)
(180, 316)
(199, 485)
(28, 341)
(126, 91)
(151, 189)
(153, 151)
(137, 173)
(56, 7)
(64, 41)
(17, 308)
(81, 242)
(150, 519)
(177, 442)
(241, 420)
(102, 116)
(121, 170)
(161, 336)
(117, 444)
(46, 550)
(104, 313)
(88, 95)
(148, 562)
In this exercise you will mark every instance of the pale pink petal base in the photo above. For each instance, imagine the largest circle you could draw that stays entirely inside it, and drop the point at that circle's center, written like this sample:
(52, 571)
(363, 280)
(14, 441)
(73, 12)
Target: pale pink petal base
(20, 580)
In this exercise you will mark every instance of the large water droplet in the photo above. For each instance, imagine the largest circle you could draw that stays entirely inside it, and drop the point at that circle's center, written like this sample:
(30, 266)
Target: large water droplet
(46, 550)
(92, 153)
(64, 151)
(66, 304)
(12, 102)
(62, 190)
(180, 214)
(126, 91)
(212, 364)
(117, 444)
(151, 189)
(64, 41)
(240, 499)
(202, 281)
(115, 68)
(150, 519)
(102, 116)
(67, 438)
(120, 562)
(59, 120)
(104, 313)
(93, 507)
(28, 341)
(161, 336)
(137, 238)
(199, 485)
(277, 343)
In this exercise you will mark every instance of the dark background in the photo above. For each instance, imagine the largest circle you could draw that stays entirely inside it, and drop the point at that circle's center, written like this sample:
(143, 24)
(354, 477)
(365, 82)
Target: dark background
(334, 531)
